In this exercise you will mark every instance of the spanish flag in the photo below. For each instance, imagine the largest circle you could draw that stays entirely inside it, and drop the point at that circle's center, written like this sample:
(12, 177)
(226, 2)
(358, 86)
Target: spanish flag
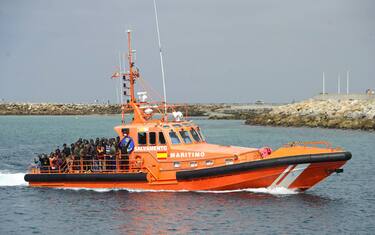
(162, 155)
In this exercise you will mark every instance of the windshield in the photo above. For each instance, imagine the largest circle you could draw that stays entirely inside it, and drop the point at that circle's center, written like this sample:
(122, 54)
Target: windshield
(185, 136)
(200, 134)
(161, 138)
(195, 135)
(174, 138)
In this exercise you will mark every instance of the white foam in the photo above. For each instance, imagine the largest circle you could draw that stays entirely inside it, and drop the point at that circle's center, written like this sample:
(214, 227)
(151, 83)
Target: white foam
(12, 179)
(273, 191)
(104, 190)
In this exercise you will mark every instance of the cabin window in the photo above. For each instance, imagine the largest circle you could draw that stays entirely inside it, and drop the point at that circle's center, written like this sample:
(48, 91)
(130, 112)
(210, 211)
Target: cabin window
(195, 135)
(176, 125)
(185, 136)
(152, 138)
(142, 138)
(161, 138)
(200, 134)
(193, 164)
(176, 164)
(174, 137)
(209, 162)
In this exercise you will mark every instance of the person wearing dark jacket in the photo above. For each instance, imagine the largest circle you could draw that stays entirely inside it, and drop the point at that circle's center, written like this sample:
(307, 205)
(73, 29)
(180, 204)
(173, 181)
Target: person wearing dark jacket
(66, 151)
(126, 146)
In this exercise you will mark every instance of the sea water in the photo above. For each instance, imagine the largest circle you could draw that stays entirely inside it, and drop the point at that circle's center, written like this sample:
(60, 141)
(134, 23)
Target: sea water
(343, 203)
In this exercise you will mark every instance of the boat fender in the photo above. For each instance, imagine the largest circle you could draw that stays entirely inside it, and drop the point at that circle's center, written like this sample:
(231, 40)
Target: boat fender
(265, 151)
(337, 171)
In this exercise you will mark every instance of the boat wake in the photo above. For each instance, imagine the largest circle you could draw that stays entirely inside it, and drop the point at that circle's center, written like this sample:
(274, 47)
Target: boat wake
(12, 179)
(272, 191)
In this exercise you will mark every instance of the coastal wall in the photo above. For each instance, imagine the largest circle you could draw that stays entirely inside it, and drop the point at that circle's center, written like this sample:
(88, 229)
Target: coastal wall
(90, 109)
(339, 112)
(57, 109)
(240, 111)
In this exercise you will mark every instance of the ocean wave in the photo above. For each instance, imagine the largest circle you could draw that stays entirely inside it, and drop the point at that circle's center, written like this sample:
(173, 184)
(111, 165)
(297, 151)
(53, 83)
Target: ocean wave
(12, 179)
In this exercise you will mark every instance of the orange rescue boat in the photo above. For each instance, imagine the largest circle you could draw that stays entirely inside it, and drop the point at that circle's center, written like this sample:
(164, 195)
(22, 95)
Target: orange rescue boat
(170, 153)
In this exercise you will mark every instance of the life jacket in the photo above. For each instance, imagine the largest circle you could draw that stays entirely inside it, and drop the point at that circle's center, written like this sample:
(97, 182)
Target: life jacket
(127, 144)
(107, 149)
(45, 161)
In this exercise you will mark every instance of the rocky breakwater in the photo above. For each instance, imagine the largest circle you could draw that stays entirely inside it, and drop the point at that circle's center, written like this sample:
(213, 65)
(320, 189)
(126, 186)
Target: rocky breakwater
(240, 111)
(330, 113)
(57, 109)
(198, 109)
(89, 109)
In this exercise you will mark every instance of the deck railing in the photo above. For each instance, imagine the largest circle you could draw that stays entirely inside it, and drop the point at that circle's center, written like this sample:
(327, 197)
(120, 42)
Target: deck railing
(325, 144)
(119, 163)
(122, 163)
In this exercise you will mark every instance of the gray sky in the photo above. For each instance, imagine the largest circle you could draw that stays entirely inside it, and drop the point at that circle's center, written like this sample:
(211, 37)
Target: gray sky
(215, 51)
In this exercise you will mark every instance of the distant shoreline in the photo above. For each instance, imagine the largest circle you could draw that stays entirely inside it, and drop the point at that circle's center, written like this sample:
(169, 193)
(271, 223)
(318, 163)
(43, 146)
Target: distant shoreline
(33, 109)
(326, 111)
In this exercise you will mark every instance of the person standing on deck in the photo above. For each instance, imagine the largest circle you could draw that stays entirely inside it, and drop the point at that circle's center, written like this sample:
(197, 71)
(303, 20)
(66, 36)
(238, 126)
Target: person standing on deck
(100, 149)
(66, 151)
(126, 147)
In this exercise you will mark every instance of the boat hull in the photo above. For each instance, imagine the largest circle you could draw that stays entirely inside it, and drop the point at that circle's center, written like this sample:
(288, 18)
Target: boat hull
(297, 173)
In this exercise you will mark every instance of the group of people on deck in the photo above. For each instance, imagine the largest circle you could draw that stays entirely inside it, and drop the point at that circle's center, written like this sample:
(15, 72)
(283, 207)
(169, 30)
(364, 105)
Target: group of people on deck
(101, 154)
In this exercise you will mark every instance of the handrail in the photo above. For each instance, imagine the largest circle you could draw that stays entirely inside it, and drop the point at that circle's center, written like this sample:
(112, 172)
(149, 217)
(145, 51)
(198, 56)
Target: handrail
(117, 165)
(309, 143)
(148, 168)
(91, 165)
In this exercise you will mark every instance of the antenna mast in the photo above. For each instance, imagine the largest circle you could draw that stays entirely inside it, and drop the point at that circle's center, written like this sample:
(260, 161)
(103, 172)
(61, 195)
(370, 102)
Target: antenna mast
(121, 97)
(131, 73)
(347, 82)
(324, 84)
(161, 58)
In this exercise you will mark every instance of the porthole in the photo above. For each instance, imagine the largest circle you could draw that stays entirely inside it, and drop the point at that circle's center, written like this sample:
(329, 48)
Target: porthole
(176, 164)
(209, 162)
(193, 164)
(229, 161)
